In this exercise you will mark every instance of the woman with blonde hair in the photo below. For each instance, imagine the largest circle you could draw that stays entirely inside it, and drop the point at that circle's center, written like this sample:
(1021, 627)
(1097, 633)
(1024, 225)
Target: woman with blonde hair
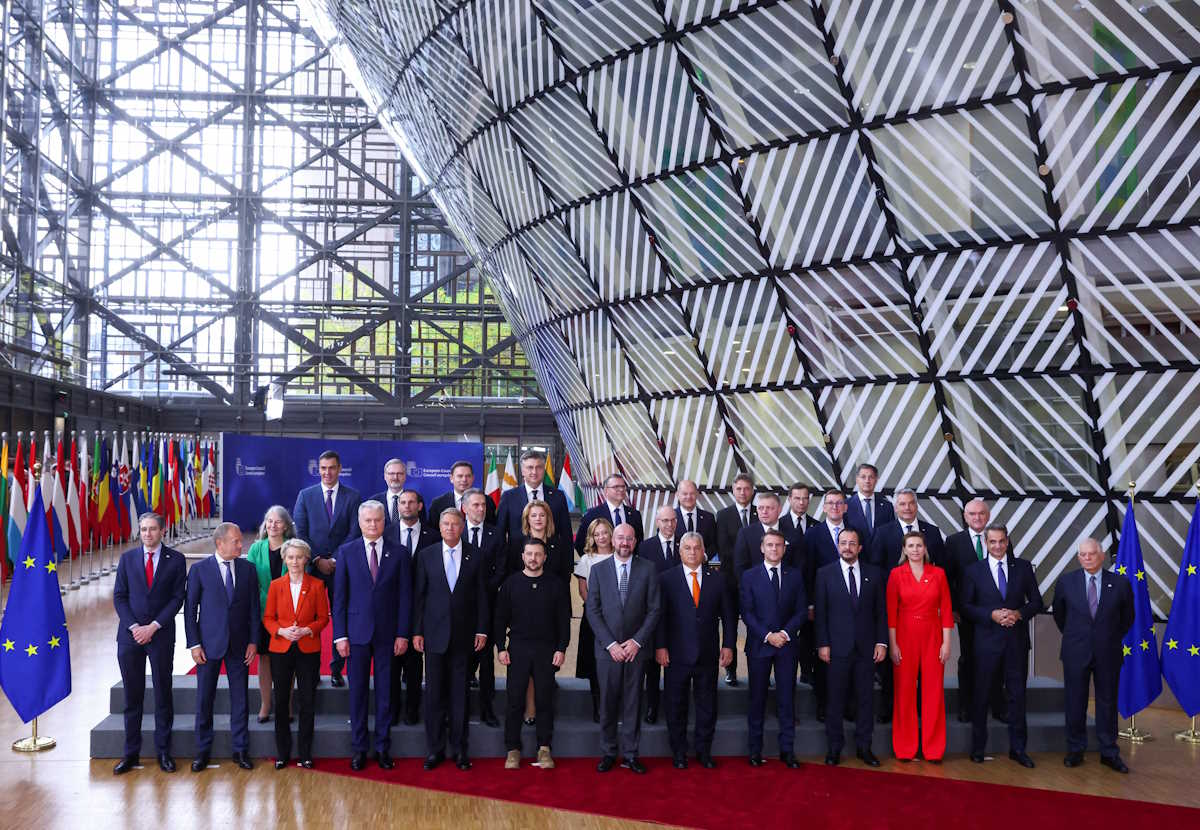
(266, 555)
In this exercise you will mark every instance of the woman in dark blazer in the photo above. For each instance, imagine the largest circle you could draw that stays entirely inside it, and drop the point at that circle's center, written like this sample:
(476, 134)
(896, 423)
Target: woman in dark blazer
(297, 610)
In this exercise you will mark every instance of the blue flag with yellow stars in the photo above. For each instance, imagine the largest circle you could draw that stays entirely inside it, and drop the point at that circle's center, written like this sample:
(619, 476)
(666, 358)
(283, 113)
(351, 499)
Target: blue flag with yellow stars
(1181, 641)
(1141, 678)
(35, 657)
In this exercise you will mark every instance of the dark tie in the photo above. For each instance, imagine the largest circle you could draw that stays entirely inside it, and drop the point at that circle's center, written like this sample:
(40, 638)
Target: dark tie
(374, 563)
(908, 528)
(396, 508)
(1093, 596)
(775, 579)
(229, 581)
(668, 550)
(691, 528)
(408, 541)
(745, 517)
(1001, 581)
(329, 504)
(853, 588)
(868, 514)
(475, 536)
(535, 494)
(616, 517)
(623, 583)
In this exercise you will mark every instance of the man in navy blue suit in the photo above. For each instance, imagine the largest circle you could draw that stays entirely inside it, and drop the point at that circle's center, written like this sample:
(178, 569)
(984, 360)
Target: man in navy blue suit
(1093, 609)
(852, 637)
(462, 479)
(614, 509)
(531, 488)
(372, 610)
(1001, 596)
(326, 516)
(450, 623)
(774, 607)
(794, 523)
(395, 474)
(691, 518)
(221, 620)
(730, 520)
(690, 649)
(663, 551)
(148, 593)
(483, 537)
(866, 509)
(413, 533)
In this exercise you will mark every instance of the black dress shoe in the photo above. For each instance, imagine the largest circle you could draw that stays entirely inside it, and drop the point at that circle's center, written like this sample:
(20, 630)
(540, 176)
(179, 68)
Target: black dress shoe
(789, 760)
(867, 757)
(125, 765)
(167, 764)
(820, 714)
(306, 763)
(706, 760)
(1002, 717)
(1073, 759)
(488, 718)
(336, 681)
(634, 765)
(384, 760)
(473, 683)
(964, 717)
(264, 718)
(198, 765)
(884, 717)
(832, 759)
(730, 679)
(280, 763)
(462, 762)
(1115, 764)
(756, 761)
(433, 760)
(606, 763)
(242, 759)
(651, 714)
(595, 714)
(1021, 758)
(412, 718)
(358, 761)
(679, 762)
(977, 757)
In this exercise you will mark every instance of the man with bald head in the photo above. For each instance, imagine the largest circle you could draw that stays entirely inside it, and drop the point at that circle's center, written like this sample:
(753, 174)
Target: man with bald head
(690, 517)
(663, 551)
(1093, 609)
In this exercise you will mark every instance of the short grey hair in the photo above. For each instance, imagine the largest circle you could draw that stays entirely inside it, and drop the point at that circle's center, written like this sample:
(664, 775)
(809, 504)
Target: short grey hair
(472, 491)
(392, 461)
(222, 530)
(452, 511)
(692, 536)
(150, 514)
(770, 495)
(905, 491)
(371, 504)
(289, 526)
(298, 544)
(536, 455)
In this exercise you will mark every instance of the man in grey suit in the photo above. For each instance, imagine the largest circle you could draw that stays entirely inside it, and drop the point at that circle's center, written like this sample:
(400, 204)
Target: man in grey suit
(623, 608)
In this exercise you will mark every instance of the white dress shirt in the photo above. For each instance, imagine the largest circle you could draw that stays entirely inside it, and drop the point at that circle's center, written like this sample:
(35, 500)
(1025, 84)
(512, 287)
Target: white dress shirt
(467, 533)
(541, 491)
(416, 534)
(221, 569)
(687, 577)
(995, 565)
(378, 551)
(683, 523)
(613, 508)
(799, 521)
(834, 530)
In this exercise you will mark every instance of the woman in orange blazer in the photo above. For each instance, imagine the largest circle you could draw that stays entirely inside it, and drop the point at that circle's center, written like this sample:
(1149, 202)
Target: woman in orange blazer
(297, 610)
(920, 620)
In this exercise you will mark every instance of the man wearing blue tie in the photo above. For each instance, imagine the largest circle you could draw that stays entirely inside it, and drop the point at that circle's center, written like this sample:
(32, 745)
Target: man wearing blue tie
(221, 620)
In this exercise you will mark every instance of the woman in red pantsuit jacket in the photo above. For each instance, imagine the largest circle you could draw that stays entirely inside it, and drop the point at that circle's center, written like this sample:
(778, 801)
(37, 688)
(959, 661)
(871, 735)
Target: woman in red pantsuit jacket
(920, 620)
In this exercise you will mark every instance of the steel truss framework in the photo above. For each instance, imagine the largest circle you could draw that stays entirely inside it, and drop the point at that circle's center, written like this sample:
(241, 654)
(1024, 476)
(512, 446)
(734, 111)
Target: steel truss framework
(957, 239)
(196, 204)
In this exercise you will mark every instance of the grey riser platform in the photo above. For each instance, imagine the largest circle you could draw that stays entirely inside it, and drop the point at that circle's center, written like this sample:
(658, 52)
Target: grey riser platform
(574, 699)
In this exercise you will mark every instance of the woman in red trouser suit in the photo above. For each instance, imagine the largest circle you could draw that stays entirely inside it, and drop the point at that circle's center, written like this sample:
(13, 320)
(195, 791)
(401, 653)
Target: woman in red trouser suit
(919, 624)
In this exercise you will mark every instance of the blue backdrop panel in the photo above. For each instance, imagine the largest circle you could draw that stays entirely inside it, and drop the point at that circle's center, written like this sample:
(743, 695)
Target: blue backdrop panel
(258, 471)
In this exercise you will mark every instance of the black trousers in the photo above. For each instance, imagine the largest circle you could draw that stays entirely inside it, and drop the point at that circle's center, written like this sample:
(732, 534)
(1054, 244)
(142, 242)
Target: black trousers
(305, 668)
(887, 686)
(1076, 679)
(529, 660)
(653, 688)
(446, 701)
(406, 676)
(841, 674)
(132, 658)
(966, 674)
(485, 662)
(1011, 665)
(701, 682)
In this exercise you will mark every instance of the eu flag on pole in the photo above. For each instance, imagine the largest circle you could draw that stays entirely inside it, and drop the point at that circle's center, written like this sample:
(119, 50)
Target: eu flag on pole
(1181, 640)
(1141, 678)
(35, 656)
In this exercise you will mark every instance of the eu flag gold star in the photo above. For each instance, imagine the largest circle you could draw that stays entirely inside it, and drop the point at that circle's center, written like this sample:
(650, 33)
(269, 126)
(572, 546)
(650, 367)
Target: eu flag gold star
(9, 645)
(54, 642)
(1191, 570)
(1121, 570)
(1141, 575)
(1145, 645)
(51, 567)
(1172, 644)
(1194, 651)
(1126, 651)
(31, 651)
(28, 562)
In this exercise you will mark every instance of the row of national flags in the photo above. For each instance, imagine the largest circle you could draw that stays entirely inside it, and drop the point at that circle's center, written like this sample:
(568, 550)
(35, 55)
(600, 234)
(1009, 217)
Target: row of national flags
(507, 475)
(92, 496)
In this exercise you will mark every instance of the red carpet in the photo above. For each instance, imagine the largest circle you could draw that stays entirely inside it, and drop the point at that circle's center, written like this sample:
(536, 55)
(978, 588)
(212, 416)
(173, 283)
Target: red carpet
(736, 795)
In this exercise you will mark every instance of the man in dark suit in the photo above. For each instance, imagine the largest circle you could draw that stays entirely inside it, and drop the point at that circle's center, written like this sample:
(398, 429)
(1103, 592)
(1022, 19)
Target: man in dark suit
(372, 603)
(774, 607)
(1001, 596)
(662, 550)
(462, 479)
(531, 488)
(730, 521)
(221, 621)
(866, 509)
(412, 533)
(688, 647)
(450, 623)
(326, 516)
(148, 593)
(623, 607)
(794, 523)
(484, 538)
(614, 509)
(1093, 608)
(964, 549)
(691, 518)
(851, 631)
(747, 547)
(395, 474)
(885, 554)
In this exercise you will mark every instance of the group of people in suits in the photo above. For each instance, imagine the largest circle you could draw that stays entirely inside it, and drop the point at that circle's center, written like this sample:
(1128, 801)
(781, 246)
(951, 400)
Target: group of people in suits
(870, 593)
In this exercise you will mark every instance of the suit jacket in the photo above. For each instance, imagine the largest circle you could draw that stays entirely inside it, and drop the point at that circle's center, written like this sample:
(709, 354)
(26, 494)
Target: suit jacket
(960, 555)
(210, 619)
(981, 597)
(729, 524)
(887, 544)
(137, 605)
(366, 611)
(629, 515)
(765, 610)
(448, 499)
(687, 631)
(652, 550)
(493, 556)
(1085, 639)
(747, 549)
(706, 526)
(884, 513)
(819, 550)
(449, 620)
(845, 628)
(426, 536)
(613, 622)
(311, 612)
(314, 526)
(512, 505)
(385, 498)
(789, 528)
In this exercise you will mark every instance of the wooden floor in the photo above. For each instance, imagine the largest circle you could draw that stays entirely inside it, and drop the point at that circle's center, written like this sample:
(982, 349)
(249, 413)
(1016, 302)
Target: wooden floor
(63, 788)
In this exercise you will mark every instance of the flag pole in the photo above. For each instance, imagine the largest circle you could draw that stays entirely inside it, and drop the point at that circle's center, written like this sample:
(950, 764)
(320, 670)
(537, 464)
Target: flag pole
(5, 508)
(1189, 735)
(35, 742)
(73, 582)
(1132, 733)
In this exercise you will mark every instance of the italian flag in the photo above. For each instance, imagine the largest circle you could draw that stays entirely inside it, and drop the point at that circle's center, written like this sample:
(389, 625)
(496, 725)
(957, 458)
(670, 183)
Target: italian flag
(566, 483)
(492, 484)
